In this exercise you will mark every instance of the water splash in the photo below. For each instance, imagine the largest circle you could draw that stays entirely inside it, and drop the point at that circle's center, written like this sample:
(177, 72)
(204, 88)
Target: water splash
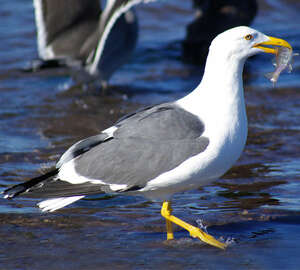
(201, 225)
(229, 241)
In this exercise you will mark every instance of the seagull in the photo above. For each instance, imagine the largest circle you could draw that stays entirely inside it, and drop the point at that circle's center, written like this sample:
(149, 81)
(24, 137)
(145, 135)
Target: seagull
(164, 149)
(79, 33)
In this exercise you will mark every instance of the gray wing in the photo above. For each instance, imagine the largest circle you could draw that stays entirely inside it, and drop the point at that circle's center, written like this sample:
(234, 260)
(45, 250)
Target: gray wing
(144, 146)
(162, 122)
(135, 161)
(65, 27)
(81, 147)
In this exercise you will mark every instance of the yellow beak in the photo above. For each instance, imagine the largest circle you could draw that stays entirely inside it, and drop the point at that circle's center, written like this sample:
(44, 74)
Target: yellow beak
(272, 42)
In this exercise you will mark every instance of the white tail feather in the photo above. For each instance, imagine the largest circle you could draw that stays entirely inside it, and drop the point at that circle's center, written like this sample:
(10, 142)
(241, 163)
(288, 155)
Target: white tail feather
(51, 205)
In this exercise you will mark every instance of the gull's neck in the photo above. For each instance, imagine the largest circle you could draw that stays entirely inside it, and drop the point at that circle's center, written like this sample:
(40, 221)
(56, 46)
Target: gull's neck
(221, 88)
(218, 101)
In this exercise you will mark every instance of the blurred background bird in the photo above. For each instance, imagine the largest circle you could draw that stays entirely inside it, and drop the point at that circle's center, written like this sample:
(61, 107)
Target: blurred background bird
(80, 33)
(99, 40)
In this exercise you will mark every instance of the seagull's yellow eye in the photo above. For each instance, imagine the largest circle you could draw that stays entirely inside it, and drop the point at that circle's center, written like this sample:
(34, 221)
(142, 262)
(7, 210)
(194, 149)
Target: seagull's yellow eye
(248, 37)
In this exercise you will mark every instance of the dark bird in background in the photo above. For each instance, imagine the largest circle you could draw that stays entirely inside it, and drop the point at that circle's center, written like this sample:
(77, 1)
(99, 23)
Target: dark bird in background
(212, 18)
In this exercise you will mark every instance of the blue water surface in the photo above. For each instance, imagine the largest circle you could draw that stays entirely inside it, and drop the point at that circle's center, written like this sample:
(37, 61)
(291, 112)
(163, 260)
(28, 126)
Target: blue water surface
(255, 206)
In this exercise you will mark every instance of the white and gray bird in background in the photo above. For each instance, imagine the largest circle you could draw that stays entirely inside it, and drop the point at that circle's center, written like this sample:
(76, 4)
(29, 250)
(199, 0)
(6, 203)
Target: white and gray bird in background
(81, 33)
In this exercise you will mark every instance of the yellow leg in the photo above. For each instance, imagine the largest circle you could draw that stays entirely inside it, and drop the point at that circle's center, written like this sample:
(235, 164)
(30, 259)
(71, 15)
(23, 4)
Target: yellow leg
(166, 212)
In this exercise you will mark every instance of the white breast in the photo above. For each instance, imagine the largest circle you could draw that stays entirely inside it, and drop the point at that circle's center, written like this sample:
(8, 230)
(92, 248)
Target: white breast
(227, 139)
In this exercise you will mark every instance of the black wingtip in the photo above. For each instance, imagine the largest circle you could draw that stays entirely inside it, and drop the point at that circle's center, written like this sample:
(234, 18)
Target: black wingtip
(23, 187)
(14, 191)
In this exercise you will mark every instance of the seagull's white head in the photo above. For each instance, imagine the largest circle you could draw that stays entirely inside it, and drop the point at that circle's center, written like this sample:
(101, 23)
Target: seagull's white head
(242, 41)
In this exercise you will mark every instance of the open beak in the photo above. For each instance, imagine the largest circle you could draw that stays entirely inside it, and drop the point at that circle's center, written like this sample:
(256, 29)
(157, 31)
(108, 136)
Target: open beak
(272, 42)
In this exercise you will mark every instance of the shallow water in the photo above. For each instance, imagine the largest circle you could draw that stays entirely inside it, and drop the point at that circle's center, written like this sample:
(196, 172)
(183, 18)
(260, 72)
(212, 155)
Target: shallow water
(43, 113)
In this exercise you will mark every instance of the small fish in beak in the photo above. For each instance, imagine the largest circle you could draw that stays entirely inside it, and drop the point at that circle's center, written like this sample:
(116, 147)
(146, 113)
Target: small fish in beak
(282, 61)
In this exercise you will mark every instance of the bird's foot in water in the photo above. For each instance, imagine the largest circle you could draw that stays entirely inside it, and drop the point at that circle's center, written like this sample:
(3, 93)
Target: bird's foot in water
(205, 237)
(195, 232)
